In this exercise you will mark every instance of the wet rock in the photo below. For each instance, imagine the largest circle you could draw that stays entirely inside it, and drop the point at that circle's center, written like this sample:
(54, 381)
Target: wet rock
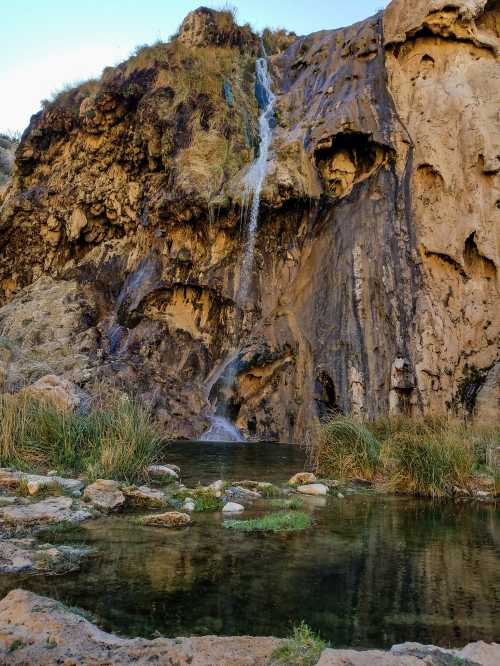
(145, 497)
(45, 633)
(29, 556)
(233, 507)
(168, 519)
(313, 489)
(62, 393)
(105, 495)
(301, 478)
(45, 512)
(241, 495)
(164, 471)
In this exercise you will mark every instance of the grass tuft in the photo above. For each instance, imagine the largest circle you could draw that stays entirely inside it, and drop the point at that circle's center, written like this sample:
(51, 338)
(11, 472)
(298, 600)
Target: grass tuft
(274, 522)
(303, 648)
(347, 448)
(117, 442)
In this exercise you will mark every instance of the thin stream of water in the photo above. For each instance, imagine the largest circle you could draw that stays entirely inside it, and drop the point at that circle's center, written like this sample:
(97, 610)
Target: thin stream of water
(221, 426)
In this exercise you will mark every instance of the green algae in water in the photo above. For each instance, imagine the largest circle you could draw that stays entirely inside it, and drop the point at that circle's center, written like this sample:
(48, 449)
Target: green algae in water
(273, 522)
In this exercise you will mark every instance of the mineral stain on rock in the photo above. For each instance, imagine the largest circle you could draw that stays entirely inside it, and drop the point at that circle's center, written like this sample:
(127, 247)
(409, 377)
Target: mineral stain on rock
(374, 283)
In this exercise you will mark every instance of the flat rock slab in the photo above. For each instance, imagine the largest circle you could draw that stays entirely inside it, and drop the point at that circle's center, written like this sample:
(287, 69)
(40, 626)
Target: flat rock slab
(11, 478)
(45, 633)
(48, 511)
(29, 556)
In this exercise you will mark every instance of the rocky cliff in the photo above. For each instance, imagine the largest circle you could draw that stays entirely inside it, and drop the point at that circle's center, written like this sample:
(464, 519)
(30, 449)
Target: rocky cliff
(8, 147)
(374, 284)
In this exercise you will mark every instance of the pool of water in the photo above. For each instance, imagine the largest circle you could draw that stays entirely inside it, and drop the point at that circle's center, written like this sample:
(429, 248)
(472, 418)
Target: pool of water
(372, 571)
(209, 461)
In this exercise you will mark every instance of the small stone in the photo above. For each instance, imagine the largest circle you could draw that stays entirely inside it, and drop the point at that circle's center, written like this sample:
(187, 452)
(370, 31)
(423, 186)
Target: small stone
(168, 519)
(189, 504)
(313, 489)
(164, 471)
(482, 494)
(217, 486)
(105, 495)
(301, 478)
(233, 507)
(340, 496)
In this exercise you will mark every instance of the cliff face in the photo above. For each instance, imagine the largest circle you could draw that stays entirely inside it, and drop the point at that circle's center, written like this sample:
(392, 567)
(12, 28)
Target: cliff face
(7, 149)
(375, 277)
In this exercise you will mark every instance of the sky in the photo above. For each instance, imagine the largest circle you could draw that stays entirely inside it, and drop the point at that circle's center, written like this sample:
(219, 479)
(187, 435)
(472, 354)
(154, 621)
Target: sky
(46, 44)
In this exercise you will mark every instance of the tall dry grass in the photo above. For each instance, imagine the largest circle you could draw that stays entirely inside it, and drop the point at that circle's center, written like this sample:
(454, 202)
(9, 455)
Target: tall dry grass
(118, 441)
(428, 457)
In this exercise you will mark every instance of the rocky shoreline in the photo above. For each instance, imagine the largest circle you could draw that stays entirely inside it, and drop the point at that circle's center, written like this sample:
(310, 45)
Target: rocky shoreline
(38, 631)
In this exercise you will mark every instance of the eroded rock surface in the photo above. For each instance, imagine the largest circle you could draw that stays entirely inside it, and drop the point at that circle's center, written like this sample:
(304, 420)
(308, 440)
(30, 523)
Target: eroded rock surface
(36, 630)
(375, 280)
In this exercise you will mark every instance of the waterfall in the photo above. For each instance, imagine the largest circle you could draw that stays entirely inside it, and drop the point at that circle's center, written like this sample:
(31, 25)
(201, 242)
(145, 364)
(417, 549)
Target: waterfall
(221, 428)
(257, 173)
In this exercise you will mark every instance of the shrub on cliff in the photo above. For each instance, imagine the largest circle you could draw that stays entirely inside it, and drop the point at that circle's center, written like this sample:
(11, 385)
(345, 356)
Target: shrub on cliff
(303, 648)
(118, 441)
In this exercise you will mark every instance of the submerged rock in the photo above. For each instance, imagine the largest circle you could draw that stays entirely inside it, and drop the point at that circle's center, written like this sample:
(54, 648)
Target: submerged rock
(168, 519)
(105, 495)
(313, 489)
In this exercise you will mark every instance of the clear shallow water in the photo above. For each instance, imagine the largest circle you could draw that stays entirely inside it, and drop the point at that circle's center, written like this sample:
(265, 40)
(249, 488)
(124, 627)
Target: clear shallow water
(372, 571)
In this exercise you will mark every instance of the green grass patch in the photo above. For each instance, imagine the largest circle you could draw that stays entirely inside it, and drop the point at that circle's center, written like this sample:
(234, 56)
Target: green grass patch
(207, 502)
(346, 448)
(294, 504)
(118, 441)
(303, 648)
(273, 522)
(269, 491)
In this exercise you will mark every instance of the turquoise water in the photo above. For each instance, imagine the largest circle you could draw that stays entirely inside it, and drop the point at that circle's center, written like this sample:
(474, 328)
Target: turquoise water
(372, 571)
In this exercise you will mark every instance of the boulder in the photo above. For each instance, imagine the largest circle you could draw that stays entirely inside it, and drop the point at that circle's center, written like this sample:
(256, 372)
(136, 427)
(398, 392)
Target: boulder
(313, 489)
(301, 478)
(48, 511)
(105, 495)
(145, 497)
(233, 507)
(168, 519)
(62, 393)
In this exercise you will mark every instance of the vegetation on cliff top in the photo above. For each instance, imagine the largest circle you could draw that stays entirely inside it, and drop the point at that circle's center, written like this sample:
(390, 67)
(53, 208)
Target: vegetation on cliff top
(428, 457)
(303, 648)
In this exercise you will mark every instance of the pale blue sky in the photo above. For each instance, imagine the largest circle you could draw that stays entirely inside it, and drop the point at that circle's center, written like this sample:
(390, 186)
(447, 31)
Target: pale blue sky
(48, 43)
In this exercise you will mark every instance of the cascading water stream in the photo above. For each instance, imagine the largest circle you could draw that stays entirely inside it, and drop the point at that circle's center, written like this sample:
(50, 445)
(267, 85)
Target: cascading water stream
(254, 179)
(221, 427)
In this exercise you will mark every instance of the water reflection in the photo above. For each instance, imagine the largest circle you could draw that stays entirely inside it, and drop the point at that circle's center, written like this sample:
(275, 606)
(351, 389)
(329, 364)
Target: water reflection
(372, 572)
